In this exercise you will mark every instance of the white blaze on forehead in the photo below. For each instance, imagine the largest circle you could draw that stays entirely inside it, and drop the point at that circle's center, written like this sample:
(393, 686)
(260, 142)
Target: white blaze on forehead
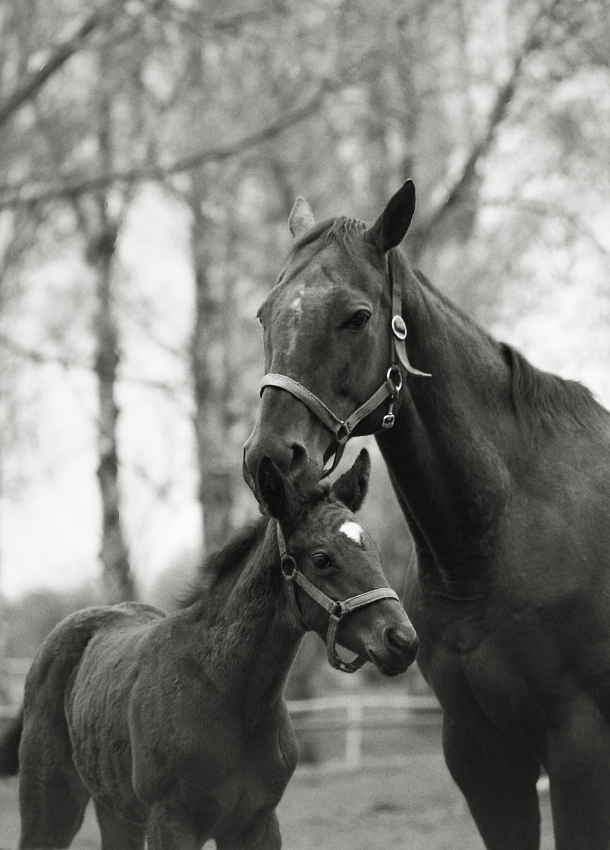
(296, 308)
(353, 531)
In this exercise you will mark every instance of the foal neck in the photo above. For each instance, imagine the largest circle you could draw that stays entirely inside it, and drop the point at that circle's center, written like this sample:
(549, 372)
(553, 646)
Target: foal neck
(253, 637)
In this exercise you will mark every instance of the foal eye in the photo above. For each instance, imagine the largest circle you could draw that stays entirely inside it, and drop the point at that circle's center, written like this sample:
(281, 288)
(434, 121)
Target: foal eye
(358, 320)
(321, 560)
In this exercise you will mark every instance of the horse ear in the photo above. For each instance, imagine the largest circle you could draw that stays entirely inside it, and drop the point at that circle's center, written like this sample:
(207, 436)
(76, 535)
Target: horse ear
(301, 218)
(277, 493)
(391, 227)
(353, 485)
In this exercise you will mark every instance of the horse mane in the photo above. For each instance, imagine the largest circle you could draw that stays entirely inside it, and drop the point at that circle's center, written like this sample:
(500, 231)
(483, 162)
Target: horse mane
(543, 398)
(223, 564)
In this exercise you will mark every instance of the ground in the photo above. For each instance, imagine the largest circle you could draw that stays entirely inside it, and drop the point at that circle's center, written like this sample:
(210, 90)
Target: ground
(411, 804)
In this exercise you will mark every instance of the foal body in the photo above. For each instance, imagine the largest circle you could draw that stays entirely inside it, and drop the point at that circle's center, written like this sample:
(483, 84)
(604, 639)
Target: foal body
(154, 754)
(176, 725)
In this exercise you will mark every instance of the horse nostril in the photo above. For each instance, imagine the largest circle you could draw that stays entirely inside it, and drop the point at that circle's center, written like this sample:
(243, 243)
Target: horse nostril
(300, 459)
(401, 639)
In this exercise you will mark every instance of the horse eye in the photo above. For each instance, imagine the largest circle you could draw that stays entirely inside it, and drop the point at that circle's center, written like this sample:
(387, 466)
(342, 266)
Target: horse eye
(358, 320)
(321, 560)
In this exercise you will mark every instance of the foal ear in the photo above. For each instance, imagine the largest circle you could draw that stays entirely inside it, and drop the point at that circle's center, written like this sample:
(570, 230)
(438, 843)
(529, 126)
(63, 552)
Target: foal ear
(301, 218)
(278, 495)
(391, 227)
(352, 487)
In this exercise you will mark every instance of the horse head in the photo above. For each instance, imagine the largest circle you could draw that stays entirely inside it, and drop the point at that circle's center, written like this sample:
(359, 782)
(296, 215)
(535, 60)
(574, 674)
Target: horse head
(334, 342)
(333, 570)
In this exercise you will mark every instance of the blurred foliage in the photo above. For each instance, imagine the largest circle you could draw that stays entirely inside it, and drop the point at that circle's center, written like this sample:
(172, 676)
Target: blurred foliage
(192, 125)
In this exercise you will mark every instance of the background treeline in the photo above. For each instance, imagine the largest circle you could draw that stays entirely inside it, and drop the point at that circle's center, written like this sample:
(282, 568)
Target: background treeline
(150, 152)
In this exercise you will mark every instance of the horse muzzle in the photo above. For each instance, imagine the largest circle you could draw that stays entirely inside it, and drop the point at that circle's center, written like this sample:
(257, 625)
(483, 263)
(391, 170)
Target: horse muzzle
(295, 443)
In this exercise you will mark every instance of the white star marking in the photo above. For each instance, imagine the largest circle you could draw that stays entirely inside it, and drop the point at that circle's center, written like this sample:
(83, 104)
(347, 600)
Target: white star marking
(353, 531)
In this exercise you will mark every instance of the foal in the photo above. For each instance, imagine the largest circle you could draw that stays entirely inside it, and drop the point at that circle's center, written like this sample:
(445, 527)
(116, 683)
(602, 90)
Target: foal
(176, 725)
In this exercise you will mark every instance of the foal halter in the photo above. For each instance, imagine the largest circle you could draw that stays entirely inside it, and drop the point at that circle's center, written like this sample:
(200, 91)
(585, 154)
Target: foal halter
(343, 428)
(335, 610)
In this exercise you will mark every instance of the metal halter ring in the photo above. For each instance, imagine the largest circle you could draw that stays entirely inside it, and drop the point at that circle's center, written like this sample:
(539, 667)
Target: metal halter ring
(395, 375)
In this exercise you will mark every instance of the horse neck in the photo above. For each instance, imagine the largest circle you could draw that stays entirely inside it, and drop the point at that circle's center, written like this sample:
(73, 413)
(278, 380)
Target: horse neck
(252, 641)
(447, 453)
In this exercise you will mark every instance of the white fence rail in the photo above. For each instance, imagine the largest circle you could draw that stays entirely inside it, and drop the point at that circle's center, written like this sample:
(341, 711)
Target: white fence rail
(353, 714)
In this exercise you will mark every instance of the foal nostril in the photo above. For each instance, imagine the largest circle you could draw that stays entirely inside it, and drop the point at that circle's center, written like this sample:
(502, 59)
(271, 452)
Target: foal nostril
(401, 640)
(300, 459)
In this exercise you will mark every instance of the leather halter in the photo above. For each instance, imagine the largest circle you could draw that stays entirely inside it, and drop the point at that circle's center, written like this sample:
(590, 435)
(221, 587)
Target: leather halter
(335, 610)
(343, 428)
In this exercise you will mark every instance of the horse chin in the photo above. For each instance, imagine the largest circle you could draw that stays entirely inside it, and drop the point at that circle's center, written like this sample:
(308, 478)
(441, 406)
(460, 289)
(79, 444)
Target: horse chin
(388, 668)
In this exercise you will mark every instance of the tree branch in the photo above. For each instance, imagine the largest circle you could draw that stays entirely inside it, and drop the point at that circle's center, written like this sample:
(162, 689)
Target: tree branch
(27, 88)
(26, 193)
(44, 359)
(423, 233)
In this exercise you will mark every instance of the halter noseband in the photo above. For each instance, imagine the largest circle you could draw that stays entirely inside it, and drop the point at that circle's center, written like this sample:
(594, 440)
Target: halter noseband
(343, 428)
(335, 610)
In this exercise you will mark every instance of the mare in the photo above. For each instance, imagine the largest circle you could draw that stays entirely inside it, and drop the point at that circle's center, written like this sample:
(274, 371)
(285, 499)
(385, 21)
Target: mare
(503, 475)
(176, 725)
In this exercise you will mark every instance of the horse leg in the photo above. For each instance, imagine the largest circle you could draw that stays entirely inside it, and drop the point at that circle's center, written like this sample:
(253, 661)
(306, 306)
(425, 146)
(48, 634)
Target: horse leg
(264, 834)
(118, 833)
(52, 797)
(502, 799)
(578, 742)
(173, 825)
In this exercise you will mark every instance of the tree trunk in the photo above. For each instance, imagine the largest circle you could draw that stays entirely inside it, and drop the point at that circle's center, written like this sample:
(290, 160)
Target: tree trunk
(212, 384)
(113, 552)
(102, 233)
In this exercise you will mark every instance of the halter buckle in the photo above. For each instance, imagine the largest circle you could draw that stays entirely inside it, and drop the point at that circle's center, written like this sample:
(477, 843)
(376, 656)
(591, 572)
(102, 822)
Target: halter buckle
(387, 421)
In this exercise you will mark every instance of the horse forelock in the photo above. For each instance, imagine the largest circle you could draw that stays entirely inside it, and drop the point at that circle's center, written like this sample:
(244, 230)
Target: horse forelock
(344, 230)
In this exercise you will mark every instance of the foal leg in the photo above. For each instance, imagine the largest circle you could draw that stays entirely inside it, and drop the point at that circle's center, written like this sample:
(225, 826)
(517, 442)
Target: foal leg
(502, 797)
(117, 833)
(578, 743)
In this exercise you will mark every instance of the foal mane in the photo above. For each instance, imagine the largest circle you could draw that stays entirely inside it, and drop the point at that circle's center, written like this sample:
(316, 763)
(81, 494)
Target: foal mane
(224, 564)
(222, 568)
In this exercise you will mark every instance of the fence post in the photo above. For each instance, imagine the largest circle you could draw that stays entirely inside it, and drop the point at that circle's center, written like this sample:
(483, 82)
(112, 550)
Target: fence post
(353, 737)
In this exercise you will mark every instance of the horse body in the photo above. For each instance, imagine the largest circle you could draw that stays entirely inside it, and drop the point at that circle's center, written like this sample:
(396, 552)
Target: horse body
(176, 725)
(503, 474)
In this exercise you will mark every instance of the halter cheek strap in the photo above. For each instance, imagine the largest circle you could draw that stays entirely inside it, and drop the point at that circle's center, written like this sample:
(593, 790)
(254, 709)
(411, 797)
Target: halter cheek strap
(335, 610)
(342, 429)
